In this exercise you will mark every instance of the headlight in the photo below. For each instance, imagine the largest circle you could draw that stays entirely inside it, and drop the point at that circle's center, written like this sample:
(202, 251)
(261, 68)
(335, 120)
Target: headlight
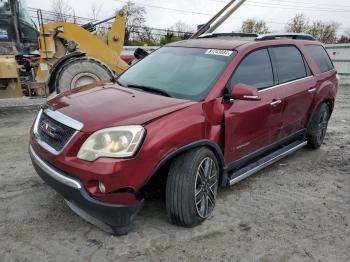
(121, 141)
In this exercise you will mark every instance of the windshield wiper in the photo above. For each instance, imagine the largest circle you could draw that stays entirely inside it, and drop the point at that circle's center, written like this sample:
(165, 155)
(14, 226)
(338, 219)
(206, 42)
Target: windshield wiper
(149, 89)
(117, 81)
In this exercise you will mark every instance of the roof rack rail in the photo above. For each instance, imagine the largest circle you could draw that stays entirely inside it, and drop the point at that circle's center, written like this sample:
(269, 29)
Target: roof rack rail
(209, 35)
(297, 36)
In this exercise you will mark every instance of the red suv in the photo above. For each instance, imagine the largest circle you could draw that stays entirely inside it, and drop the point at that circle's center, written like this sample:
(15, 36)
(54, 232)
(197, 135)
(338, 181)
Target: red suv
(196, 114)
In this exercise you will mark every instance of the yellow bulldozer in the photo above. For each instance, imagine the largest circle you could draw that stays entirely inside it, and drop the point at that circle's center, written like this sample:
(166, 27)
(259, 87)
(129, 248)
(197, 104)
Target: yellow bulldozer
(72, 55)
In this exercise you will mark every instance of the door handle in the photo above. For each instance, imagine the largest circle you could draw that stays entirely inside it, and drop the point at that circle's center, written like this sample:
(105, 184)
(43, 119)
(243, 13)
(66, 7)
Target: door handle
(276, 102)
(312, 90)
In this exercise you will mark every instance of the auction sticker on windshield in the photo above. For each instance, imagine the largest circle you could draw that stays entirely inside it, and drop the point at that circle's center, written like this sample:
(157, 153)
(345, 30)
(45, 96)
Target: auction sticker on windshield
(218, 52)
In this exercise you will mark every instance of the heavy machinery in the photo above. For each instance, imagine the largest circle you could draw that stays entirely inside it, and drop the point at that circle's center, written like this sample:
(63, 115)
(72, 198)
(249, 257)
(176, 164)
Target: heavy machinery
(72, 55)
(18, 39)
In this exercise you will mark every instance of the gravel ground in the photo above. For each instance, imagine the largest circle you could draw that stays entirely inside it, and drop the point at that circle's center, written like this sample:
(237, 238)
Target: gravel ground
(296, 210)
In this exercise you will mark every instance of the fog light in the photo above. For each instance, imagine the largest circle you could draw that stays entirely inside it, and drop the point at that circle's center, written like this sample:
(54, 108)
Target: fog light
(102, 187)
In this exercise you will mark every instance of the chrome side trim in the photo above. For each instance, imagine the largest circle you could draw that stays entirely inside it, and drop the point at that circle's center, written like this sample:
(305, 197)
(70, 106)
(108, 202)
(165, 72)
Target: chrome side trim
(267, 163)
(42, 143)
(284, 84)
(66, 120)
(53, 173)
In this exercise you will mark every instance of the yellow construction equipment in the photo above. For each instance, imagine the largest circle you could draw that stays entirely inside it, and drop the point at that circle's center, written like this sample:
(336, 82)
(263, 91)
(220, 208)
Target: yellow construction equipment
(10, 77)
(72, 55)
(18, 39)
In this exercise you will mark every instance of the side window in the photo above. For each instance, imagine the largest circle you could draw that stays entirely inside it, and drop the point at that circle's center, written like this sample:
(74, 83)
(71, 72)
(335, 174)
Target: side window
(319, 54)
(289, 63)
(255, 70)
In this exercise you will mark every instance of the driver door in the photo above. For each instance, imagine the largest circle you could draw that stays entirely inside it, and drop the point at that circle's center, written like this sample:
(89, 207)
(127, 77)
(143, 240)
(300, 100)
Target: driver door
(252, 125)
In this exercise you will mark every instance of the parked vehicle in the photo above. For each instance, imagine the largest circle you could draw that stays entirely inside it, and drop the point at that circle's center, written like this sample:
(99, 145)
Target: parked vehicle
(201, 114)
(128, 53)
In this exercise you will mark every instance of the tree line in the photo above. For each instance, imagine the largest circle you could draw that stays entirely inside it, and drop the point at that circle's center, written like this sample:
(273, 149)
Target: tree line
(137, 33)
(324, 32)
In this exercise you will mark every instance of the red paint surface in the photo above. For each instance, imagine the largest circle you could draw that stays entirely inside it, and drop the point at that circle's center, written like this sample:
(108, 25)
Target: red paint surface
(238, 128)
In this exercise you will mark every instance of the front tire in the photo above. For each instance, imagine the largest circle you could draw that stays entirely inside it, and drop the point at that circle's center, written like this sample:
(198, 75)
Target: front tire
(192, 187)
(318, 126)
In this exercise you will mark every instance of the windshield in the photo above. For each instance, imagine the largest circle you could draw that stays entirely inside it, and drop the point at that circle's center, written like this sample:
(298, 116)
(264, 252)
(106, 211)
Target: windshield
(23, 12)
(186, 73)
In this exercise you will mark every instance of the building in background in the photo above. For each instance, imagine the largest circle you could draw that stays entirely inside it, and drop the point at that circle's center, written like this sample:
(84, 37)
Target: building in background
(340, 55)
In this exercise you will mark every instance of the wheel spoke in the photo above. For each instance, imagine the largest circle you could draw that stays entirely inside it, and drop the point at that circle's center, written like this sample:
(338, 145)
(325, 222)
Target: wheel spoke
(199, 194)
(213, 179)
(200, 199)
(207, 164)
(211, 188)
(206, 208)
(211, 197)
(200, 176)
(201, 169)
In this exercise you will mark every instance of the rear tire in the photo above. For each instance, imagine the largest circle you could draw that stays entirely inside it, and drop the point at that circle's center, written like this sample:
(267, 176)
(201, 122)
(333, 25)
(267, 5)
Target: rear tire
(318, 126)
(79, 72)
(192, 186)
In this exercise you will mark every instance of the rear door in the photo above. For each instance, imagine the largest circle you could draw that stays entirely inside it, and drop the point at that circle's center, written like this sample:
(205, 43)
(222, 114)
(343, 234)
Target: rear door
(251, 125)
(296, 85)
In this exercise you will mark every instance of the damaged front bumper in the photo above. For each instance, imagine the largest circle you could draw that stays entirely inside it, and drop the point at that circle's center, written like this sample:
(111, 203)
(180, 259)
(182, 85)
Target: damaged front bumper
(112, 218)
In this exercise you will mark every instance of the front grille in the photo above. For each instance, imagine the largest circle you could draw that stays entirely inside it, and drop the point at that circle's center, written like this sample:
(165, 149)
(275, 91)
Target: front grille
(53, 133)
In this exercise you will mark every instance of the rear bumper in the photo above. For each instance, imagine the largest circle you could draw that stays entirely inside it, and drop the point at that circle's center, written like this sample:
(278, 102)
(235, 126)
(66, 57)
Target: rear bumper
(113, 218)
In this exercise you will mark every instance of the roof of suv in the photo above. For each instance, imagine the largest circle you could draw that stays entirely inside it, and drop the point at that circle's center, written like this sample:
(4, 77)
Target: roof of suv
(232, 42)
(227, 42)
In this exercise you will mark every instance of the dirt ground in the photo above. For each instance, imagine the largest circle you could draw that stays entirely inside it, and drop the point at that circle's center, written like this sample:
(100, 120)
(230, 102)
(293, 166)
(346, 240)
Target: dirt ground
(296, 210)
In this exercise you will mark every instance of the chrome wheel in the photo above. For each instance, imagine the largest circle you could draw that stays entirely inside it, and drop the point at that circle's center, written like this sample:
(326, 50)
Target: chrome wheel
(322, 125)
(206, 186)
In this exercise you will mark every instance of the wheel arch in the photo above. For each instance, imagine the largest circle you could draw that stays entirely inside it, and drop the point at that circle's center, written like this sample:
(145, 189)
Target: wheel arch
(328, 101)
(215, 148)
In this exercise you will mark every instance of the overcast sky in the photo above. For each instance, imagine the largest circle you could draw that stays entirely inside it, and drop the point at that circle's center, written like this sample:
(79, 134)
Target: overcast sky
(276, 13)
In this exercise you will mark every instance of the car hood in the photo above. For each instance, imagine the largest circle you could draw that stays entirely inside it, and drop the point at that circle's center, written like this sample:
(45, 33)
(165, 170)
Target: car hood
(109, 105)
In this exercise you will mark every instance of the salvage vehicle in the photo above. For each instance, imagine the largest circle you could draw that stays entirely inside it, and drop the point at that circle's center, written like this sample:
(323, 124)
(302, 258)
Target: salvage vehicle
(200, 113)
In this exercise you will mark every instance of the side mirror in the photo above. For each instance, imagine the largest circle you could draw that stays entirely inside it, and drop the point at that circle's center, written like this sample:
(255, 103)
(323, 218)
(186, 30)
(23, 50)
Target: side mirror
(140, 53)
(244, 92)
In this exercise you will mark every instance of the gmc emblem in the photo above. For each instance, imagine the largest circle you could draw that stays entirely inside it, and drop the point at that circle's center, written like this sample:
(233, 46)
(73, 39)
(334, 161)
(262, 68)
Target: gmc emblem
(47, 129)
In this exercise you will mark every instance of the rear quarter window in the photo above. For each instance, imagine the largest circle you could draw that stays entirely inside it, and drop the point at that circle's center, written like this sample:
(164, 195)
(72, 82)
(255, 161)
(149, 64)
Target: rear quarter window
(320, 56)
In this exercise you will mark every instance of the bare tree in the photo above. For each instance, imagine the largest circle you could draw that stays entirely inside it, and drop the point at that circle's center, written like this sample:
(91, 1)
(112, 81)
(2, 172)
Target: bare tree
(344, 39)
(298, 24)
(95, 11)
(62, 10)
(254, 26)
(184, 31)
(183, 27)
(135, 19)
(324, 32)
(145, 35)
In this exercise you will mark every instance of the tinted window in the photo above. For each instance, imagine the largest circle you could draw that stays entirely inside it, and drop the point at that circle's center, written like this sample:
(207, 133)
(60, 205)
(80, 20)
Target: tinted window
(321, 57)
(289, 63)
(254, 70)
